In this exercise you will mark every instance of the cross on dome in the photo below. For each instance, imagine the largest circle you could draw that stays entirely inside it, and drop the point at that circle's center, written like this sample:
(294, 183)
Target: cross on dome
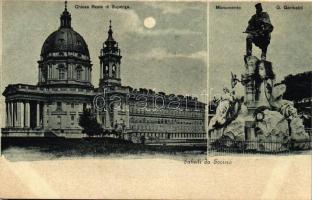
(65, 18)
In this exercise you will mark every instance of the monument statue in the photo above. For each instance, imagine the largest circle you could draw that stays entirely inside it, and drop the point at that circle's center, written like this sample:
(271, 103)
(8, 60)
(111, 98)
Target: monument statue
(259, 31)
(261, 120)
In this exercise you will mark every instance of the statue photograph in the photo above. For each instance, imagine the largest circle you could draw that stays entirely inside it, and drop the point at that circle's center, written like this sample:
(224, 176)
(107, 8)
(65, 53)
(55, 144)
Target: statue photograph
(257, 114)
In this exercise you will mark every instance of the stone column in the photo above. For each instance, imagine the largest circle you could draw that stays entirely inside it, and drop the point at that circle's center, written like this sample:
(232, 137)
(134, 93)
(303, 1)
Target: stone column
(15, 114)
(72, 71)
(38, 114)
(101, 71)
(53, 73)
(11, 115)
(6, 115)
(98, 116)
(48, 113)
(18, 114)
(85, 70)
(116, 117)
(22, 113)
(127, 115)
(8, 109)
(68, 71)
(44, 120)
(50, 72)
(27, 114)
(118, 71)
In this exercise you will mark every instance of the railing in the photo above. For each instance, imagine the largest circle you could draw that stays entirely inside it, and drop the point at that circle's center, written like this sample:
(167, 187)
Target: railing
(288, 145)
(269, 147)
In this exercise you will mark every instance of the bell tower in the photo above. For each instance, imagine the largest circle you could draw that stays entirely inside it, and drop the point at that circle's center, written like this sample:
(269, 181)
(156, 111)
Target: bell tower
(110, 61)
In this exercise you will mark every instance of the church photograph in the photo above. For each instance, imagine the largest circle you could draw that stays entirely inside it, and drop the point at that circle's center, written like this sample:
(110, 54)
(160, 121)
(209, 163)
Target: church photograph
(140, 78)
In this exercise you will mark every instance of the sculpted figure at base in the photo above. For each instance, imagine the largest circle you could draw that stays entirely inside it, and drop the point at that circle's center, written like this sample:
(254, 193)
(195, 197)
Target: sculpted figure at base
(229, 121)
(287, 109)
(276, 122)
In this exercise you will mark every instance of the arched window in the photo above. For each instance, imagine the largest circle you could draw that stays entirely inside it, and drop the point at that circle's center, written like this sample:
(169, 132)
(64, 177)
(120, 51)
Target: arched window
(106, 70)
(114, 71)
(61, 69)
(43, 75)
(79, 72)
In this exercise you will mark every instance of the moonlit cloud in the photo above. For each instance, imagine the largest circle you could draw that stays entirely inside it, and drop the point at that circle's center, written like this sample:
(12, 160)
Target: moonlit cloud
(167, 9)
(136, 25)
(167, 31)
(161, 54)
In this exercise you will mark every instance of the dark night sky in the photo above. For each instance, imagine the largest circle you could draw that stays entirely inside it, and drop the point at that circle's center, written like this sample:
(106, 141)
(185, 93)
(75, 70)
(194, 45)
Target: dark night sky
(170, 57)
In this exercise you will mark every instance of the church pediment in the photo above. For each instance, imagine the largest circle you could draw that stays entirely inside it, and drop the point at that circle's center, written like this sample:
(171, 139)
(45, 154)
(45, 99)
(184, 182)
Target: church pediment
(20, 88)
(10, 89)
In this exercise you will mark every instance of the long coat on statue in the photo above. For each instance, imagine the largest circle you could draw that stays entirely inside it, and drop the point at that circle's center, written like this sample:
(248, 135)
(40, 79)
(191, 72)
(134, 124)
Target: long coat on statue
(260, 27)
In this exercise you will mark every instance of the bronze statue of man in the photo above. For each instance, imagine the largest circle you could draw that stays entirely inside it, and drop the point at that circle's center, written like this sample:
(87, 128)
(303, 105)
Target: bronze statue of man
(259, 31)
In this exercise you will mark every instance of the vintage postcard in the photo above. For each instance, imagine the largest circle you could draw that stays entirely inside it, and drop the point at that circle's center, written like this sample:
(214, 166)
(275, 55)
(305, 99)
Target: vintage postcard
(156, 100)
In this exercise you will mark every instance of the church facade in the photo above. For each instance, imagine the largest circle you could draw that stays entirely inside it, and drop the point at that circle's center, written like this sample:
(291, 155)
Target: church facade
(52, 107)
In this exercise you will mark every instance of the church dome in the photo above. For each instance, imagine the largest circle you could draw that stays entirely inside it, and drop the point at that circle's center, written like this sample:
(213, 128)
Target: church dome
(65, 40)
(64, 58)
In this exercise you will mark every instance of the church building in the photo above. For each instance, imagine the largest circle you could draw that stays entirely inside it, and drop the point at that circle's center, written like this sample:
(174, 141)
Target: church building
(52, 107)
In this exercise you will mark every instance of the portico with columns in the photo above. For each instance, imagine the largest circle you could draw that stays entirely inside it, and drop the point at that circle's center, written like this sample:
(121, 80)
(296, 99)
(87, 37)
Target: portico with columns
(20, 114)
(38, 111)
(23, 111)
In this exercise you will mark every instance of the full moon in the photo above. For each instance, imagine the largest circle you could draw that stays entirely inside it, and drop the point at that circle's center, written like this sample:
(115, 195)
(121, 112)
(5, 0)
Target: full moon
(149, 22)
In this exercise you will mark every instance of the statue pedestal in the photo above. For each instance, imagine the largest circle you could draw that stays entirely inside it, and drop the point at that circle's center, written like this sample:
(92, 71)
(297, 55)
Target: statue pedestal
(258, 74)
(256, 78)
(250, 130)
(260, 121)
(250, 135)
